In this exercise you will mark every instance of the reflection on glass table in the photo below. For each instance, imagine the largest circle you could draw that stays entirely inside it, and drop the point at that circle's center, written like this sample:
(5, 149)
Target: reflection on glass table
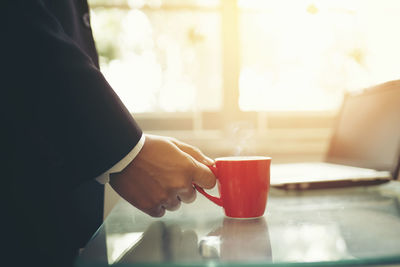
(234, 240)
(359, 225)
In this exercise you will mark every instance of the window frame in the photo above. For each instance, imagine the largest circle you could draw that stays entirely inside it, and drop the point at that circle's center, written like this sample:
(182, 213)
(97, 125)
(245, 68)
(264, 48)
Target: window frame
(206, 129)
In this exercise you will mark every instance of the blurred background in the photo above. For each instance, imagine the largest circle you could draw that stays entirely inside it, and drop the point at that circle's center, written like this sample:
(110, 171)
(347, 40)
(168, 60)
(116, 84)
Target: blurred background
(245, 77)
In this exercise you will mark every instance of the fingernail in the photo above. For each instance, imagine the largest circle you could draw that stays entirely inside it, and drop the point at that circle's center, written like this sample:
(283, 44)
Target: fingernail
(208, 161)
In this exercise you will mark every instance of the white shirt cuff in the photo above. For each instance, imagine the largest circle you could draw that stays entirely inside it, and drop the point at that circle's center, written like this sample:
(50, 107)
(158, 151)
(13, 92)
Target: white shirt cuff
(105, 177)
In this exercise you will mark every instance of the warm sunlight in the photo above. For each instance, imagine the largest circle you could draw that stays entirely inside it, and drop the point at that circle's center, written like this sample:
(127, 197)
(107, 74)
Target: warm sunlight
(294, 54)
(302, 55)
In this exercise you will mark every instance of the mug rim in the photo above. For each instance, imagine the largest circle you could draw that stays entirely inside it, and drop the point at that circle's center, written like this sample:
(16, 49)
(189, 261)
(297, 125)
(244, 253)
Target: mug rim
(242, 158)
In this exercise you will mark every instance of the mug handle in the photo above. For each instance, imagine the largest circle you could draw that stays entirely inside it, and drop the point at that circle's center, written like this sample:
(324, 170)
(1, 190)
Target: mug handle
(216, 200)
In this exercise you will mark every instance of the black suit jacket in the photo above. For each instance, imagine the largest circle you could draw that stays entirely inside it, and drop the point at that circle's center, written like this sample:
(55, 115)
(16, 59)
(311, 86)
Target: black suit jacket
(62, 125)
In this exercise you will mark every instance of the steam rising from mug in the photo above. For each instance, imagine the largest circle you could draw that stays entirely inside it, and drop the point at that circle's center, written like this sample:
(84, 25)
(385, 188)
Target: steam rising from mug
(241, 136)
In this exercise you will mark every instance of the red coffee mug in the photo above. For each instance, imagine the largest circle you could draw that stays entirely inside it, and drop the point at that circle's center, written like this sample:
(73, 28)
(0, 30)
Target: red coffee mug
(243, 183)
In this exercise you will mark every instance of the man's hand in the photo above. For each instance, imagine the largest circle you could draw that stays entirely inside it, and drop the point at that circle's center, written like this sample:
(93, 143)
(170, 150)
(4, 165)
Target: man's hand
(161, 175)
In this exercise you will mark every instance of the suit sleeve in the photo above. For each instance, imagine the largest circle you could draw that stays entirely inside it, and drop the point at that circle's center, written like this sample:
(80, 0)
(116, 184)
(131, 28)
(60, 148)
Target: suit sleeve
(73, 114)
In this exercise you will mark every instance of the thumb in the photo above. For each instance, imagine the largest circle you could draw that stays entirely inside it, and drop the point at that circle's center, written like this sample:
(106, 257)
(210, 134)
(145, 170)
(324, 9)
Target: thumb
(193, 151)
(202, 175)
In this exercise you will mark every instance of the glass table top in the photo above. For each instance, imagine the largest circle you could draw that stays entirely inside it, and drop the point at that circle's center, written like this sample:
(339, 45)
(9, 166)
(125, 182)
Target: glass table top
(358, 225)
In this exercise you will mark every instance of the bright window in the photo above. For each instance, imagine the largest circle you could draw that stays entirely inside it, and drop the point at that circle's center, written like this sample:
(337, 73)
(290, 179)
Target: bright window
(302, 54)
(160, 58)
(176, 56)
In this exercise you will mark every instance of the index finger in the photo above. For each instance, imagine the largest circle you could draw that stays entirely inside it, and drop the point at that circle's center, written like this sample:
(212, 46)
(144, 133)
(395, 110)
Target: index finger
(202, 175)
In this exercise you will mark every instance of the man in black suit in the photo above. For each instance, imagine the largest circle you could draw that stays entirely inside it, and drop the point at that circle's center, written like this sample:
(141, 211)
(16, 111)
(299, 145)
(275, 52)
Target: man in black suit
(63, 129)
